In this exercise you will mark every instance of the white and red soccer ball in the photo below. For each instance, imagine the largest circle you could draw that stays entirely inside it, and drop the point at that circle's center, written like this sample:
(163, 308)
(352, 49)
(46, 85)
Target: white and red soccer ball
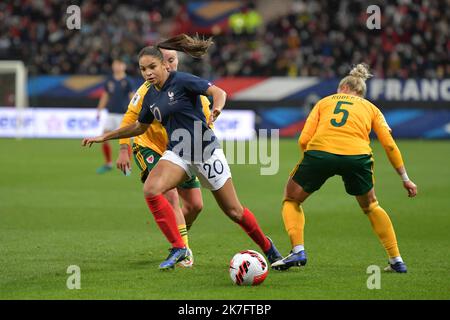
(248, 268)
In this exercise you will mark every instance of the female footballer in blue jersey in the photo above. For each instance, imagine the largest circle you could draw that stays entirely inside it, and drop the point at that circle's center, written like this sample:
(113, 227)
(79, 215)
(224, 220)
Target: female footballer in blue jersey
(193, 149)
(149, 148)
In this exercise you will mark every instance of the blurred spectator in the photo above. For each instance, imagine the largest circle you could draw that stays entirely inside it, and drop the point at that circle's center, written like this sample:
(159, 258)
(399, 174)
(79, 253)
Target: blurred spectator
(237, 22)
(314, 37)
(246, 21)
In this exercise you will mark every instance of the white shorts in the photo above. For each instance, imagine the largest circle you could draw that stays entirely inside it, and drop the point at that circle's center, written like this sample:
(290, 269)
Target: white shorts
(213, 173)
(113, 121)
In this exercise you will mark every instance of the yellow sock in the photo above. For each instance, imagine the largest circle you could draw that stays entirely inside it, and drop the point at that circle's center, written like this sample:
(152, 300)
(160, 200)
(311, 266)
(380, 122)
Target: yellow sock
(294, 221)
(382, 226)
(184, 234)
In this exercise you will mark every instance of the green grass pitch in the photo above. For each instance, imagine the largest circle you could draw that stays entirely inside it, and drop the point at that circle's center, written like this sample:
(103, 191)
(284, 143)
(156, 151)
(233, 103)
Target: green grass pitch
(55, 211)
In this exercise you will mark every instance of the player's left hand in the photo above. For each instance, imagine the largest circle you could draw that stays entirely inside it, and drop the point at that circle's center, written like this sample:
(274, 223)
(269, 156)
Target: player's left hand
(213, 117)
(90, 141)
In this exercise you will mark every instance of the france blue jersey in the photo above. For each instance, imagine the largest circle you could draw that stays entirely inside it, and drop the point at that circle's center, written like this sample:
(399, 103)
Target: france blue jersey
(177, 105)
(119, 94)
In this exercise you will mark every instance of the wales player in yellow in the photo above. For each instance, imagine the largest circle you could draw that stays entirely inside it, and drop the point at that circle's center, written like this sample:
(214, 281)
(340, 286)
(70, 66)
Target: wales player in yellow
(335, 141)
(148, 149)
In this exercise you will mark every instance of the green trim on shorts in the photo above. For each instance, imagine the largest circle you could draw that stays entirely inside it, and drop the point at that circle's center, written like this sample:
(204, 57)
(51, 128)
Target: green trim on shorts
(317, 166)
(190, 184)
(146, 159)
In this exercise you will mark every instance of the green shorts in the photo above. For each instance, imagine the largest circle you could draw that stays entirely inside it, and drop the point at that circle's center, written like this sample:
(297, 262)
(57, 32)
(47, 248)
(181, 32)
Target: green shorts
(317, 166)
(146, 159)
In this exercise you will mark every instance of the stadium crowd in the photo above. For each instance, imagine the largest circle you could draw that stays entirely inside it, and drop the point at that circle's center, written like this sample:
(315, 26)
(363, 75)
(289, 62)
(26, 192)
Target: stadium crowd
(314, 38)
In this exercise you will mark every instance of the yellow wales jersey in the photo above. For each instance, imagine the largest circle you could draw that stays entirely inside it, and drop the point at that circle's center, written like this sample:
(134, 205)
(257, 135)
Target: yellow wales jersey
(341, 124)
(155, 137)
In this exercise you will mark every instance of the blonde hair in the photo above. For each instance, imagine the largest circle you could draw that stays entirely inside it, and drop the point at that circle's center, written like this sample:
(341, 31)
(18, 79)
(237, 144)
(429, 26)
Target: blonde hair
(356, 79)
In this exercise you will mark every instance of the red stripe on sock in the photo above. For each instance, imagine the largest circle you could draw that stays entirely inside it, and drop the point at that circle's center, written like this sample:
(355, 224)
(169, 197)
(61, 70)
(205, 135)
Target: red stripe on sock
(165, 218)
(250, 225)
(107, 152)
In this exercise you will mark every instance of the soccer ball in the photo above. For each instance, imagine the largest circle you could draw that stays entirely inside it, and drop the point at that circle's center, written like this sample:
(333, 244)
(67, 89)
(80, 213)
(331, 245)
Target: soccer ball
(248, 268)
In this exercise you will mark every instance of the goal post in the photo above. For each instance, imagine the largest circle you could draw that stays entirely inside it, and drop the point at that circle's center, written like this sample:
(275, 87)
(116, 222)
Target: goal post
(13, 91)
(14, 84)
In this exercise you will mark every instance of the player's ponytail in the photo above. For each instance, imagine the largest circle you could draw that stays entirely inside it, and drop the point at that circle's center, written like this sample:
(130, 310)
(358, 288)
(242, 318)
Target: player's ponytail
(193, 46)
(356, 80)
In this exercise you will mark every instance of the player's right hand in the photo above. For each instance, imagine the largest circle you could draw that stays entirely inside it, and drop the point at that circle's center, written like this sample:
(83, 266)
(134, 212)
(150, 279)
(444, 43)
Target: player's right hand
(123, 161)
(213, 117)
(90, 141)
(411, 188)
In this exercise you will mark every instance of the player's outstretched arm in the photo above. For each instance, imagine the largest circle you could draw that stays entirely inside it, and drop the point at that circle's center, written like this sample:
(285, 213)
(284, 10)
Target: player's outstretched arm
(395, 157)
(219, 99)
(129, 131)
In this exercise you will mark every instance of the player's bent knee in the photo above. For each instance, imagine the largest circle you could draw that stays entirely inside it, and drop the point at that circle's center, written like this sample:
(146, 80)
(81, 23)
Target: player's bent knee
(197, 206)
(295, 201)
(171, 197)
(148, 193)
(295, 192)
(194, 208)
(151, 190)
(235, 214)
(370, 207)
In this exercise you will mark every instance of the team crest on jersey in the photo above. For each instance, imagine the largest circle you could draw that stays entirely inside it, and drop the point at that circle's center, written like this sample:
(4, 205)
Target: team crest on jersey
(150, 159)
(172, 100)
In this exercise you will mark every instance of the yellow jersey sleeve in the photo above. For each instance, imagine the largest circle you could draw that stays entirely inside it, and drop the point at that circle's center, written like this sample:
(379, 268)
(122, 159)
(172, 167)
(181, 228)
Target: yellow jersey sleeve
(206, 110)
(310, 127)
(383, 132)
(155, 137)
(133, 110)
(379, 123)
